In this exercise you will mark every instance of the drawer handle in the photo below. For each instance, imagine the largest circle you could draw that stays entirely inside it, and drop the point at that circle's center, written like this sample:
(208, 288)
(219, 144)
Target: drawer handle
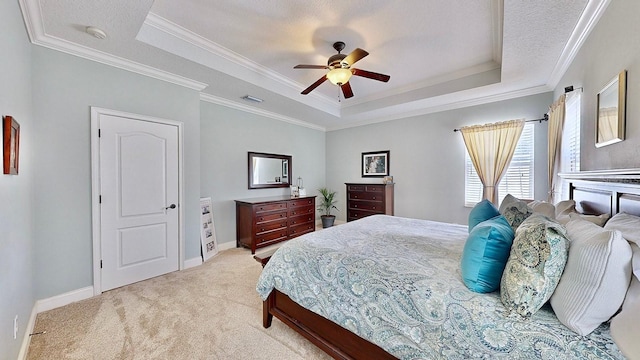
(355, 205)
(262, 229)
(281, 215)
(374, 208)
(261, 218)
(374, 198)
(355, 196)
(293, 222)
(293, 213)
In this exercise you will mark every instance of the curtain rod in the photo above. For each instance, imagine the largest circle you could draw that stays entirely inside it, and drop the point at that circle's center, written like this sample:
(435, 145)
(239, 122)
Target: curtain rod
(545, 117)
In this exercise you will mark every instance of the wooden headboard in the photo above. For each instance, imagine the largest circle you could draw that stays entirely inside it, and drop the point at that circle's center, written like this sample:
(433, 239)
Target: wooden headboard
(606, 197)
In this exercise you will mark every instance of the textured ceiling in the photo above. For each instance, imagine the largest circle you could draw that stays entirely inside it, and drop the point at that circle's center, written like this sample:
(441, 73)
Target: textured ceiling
(440, 54)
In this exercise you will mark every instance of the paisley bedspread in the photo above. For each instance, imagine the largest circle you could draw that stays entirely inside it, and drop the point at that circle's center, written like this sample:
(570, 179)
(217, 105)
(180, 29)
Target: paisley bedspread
(396, 282)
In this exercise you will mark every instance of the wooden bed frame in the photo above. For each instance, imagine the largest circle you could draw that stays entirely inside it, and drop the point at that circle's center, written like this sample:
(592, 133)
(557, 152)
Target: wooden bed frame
(592, 197)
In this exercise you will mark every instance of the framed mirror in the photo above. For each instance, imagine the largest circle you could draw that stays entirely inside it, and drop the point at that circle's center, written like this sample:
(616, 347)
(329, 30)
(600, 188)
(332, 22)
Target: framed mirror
(269, 170)
(610, 119)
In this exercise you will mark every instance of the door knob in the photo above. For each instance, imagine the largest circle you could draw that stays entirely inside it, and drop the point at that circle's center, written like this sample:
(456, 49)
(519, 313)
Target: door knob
(172, 206)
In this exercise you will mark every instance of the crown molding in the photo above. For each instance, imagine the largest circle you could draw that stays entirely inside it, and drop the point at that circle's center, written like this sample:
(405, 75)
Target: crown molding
(444, 103)
(245, 108)
(590, 17)
(32, 15)
(156, 27)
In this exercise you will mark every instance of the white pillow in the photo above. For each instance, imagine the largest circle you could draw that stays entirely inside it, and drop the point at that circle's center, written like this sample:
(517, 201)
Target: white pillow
(544, 208)
(625, 326)
(566, 208)
(629, 225)
(595, 279)
(599, 220)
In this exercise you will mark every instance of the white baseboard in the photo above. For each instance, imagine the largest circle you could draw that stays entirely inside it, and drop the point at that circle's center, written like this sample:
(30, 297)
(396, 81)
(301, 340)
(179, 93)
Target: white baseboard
(26, 340)
(64, 299)
(227, 246)
(193, 262)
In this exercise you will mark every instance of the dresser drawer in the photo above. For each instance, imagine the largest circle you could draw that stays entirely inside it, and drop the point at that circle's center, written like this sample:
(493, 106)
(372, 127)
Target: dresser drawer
(375, 206)
(298, 230)
(374, 188)
(364, 195)
(301, 211)
(358, 214)
(270, 226)
(355, 187)
(301, 202)
(302, 219)
(270, 207)
(272, 236)
(264, 217)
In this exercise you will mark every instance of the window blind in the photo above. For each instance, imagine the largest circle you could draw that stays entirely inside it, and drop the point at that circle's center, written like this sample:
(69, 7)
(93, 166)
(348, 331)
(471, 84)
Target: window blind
(517, 181)
(570, 145)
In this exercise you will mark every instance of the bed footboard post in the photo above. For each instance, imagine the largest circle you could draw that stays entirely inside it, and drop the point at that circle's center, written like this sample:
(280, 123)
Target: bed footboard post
(266, 307)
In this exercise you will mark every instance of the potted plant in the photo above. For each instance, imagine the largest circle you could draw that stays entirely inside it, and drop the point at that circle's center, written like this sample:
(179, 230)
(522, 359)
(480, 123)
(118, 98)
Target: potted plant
(327, 203)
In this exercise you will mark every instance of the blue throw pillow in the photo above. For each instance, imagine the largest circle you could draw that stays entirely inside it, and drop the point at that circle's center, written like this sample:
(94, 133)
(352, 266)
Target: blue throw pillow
(486, 253)
(484, 210)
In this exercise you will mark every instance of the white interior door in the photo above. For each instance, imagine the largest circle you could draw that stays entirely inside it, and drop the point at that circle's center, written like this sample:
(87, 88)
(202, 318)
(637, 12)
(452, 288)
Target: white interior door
(139, 218)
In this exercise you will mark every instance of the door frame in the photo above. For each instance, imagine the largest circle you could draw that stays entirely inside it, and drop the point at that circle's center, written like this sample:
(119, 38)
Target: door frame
(96, 113)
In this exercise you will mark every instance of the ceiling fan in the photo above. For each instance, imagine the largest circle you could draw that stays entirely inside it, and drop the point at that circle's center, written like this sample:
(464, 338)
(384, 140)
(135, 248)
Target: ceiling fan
(340, 70)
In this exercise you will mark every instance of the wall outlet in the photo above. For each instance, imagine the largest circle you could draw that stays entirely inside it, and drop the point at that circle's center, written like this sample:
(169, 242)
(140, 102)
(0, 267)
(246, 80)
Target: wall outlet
(15, 327)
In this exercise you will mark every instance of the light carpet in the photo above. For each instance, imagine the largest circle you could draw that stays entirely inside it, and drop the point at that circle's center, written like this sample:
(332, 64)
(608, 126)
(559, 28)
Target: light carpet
(208, 312)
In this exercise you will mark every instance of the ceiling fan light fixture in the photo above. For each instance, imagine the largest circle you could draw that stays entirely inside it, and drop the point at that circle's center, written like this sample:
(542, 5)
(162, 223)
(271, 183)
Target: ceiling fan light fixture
(339, 76)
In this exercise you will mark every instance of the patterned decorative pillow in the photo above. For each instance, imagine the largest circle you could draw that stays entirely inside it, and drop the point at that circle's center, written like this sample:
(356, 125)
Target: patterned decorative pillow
(484, 210)
(537, 259)
(514, 210)
(485, 254)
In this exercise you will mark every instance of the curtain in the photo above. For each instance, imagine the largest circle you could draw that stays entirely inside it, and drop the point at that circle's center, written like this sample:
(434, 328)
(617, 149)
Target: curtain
(491, 148)
(554, 136)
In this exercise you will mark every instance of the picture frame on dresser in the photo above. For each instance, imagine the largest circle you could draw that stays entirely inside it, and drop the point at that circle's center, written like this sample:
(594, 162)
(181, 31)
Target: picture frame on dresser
(375, 163)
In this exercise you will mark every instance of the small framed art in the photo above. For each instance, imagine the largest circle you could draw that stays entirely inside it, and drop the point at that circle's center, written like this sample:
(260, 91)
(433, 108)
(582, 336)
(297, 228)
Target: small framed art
(11, 145)
(207, 230)
(375, 164)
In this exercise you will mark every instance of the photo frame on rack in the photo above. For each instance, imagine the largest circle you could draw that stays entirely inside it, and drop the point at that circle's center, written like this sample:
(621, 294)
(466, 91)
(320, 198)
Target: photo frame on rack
(375, 163)
(207, 230)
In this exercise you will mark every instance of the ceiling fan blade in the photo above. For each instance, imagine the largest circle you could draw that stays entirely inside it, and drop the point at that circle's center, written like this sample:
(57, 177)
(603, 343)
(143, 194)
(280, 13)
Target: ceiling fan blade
(355, 55)
(311, 67)
(371, 75)
(314, 85)
(346, 90)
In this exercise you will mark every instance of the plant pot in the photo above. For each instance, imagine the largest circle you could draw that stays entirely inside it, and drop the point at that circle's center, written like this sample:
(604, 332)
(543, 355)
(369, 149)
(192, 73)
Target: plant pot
(327, 220)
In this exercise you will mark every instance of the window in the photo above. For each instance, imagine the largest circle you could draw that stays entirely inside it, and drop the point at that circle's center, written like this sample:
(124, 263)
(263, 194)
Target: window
(570, 146)
(517, 181)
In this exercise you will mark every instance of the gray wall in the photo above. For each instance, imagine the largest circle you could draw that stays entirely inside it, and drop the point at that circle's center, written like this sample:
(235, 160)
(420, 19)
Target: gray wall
(16, 240)
(226, 137)
(613, 45)
(65, 87)
(427, 157)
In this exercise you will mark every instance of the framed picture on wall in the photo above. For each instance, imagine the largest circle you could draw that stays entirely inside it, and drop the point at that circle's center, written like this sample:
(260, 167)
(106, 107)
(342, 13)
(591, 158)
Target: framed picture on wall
(375, 163)
(11, 145)
(207, 230)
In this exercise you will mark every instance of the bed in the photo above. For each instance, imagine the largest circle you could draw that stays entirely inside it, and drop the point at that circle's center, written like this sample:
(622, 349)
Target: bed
(389, 287)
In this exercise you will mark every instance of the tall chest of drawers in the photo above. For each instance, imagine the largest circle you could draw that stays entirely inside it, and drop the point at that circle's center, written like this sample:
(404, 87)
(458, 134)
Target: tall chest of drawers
(368, 199)
(265, 221)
